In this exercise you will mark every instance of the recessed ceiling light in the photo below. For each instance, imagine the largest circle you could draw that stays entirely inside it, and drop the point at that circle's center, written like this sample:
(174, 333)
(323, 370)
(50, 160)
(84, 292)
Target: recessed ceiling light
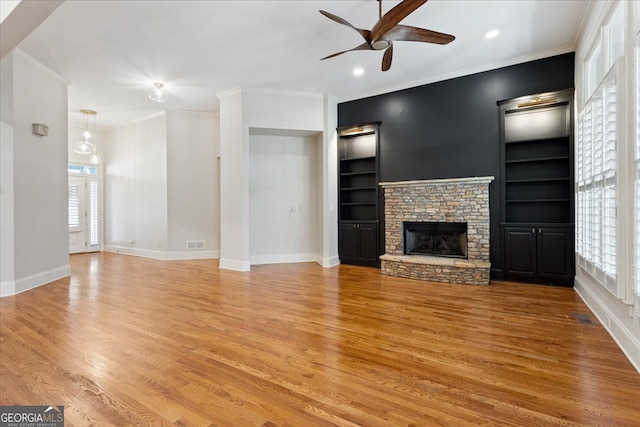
(358, 71)
(492, 34)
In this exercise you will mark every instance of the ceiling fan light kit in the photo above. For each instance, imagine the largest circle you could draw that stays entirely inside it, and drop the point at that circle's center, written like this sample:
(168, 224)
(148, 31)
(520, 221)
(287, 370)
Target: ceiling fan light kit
(387, 30)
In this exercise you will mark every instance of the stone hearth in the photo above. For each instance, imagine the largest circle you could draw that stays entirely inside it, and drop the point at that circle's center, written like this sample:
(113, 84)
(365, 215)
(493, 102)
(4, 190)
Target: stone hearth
(460, 200)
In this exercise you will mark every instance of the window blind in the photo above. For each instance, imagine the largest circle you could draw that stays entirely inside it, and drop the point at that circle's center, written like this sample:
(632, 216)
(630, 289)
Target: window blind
(74, 207)
(596, 191)
(93, 214)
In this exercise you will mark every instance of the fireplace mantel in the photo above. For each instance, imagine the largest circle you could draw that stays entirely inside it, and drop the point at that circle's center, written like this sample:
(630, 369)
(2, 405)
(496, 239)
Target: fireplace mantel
(464, 200)
(470, 180)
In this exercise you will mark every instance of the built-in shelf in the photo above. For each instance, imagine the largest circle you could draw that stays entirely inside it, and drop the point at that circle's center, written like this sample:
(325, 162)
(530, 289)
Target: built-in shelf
(358, 173)
(538, 201)
(358, 196)
(560, 139)
(352, 159)
(537, 188)
(521, 181)
(537, 159)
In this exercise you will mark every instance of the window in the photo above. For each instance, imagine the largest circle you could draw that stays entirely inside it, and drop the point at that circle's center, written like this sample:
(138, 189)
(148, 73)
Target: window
(593, 70)
(74, 207)
(615, 37)
(596, 189)
(636, 170)
(83, 170)
(93, 213)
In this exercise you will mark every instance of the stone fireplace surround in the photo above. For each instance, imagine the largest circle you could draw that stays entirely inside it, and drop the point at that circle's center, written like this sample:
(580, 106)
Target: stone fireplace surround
(439, 200)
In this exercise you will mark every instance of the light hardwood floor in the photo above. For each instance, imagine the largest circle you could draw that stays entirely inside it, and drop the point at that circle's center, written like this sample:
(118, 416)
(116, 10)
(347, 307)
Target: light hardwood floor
(132, 341)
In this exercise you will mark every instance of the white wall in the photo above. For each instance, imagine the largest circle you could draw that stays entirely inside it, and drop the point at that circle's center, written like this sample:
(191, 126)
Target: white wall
(284, 225)
(192, 182)
(616, 315)
(34, 248)
(161, 186)
(135, 165)
(267, 111)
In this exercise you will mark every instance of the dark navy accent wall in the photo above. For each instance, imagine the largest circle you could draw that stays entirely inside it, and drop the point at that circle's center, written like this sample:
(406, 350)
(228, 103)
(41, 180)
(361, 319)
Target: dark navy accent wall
(450, 129)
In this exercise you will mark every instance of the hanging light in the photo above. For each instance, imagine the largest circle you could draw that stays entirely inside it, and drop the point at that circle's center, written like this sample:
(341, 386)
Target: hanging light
(156, 92)
(95, 159)
(85, 146)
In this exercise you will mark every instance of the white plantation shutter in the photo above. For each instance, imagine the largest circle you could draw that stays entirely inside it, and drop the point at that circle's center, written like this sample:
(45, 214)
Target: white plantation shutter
(610, 140)
(636, 183)
(74, 208)
(93, 214)
(596, 190)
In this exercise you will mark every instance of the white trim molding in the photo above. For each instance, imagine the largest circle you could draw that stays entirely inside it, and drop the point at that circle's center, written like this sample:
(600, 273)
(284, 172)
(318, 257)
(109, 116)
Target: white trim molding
(163, 255)
(14, 287)
(619, 323)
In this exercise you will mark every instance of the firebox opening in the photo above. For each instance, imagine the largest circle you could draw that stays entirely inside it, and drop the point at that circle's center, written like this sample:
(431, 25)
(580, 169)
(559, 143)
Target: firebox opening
(443, 239)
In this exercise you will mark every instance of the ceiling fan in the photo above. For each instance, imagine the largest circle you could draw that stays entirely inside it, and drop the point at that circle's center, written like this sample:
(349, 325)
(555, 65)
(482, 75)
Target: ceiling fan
(387, 30)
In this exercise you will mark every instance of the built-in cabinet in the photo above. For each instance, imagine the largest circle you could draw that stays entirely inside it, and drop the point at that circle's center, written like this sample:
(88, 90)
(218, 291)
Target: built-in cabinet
(358, 195)
(537, 188)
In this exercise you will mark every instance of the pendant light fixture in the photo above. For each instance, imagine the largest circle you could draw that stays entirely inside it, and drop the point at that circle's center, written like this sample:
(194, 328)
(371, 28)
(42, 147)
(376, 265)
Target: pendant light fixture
(85, 146)
(156, 92)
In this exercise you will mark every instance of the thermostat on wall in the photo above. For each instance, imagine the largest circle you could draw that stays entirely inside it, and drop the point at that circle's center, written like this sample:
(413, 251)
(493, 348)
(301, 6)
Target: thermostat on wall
(40, 129)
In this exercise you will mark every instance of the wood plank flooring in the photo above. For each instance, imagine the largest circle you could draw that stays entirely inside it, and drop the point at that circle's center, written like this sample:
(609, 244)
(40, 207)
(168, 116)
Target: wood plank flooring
(130, 341)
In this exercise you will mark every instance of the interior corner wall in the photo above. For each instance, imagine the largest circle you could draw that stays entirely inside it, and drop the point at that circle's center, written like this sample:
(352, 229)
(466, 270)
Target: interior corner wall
(283, 199)
(245, 109)
(234, 184)
(136, 188)
(192, 184)
(35, 242)
(327, 156)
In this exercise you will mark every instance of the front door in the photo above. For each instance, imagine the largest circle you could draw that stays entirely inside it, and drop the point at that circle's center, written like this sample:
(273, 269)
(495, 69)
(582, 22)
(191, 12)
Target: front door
(83, 214)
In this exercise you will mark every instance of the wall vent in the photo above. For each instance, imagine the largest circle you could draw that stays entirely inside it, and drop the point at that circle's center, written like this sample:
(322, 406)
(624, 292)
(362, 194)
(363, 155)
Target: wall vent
(195, 244)
(583, 319)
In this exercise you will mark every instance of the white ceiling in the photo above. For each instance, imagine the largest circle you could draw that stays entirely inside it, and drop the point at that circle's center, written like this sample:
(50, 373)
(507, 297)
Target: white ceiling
(111, 51)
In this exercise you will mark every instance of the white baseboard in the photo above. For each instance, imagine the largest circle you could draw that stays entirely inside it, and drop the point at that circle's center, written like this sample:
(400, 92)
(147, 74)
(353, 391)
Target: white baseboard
(232, 264)
(328, 262)
(283, 258)
(162, 255)
(7, 288)
(626, 339)
(13, 287)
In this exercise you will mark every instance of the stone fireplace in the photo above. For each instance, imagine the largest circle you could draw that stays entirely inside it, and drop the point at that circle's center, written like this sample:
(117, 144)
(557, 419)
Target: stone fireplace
(438, 230)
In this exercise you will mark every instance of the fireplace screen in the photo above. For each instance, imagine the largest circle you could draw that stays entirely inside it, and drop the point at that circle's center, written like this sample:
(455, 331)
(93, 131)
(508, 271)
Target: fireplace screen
(444, 239)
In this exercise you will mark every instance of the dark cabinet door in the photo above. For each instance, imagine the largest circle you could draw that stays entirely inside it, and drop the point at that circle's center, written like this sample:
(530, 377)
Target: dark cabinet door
(555, 250)
(542, 254)
(358, 243)
(368, 244)
(348, 243)
(520, 248)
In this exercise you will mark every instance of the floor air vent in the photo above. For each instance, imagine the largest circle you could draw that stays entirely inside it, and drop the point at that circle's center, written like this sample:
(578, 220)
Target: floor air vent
(584, 319)
(195, 244)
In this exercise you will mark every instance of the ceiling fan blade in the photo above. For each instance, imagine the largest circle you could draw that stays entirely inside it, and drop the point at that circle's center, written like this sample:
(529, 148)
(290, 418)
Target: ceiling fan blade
(366, 34)
(363, 46)
(393, 17)
(414, 34)
(386, 59)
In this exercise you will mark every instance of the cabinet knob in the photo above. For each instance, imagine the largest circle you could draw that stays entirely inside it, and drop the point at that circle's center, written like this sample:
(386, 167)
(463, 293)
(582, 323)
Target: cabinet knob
(533, 230)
